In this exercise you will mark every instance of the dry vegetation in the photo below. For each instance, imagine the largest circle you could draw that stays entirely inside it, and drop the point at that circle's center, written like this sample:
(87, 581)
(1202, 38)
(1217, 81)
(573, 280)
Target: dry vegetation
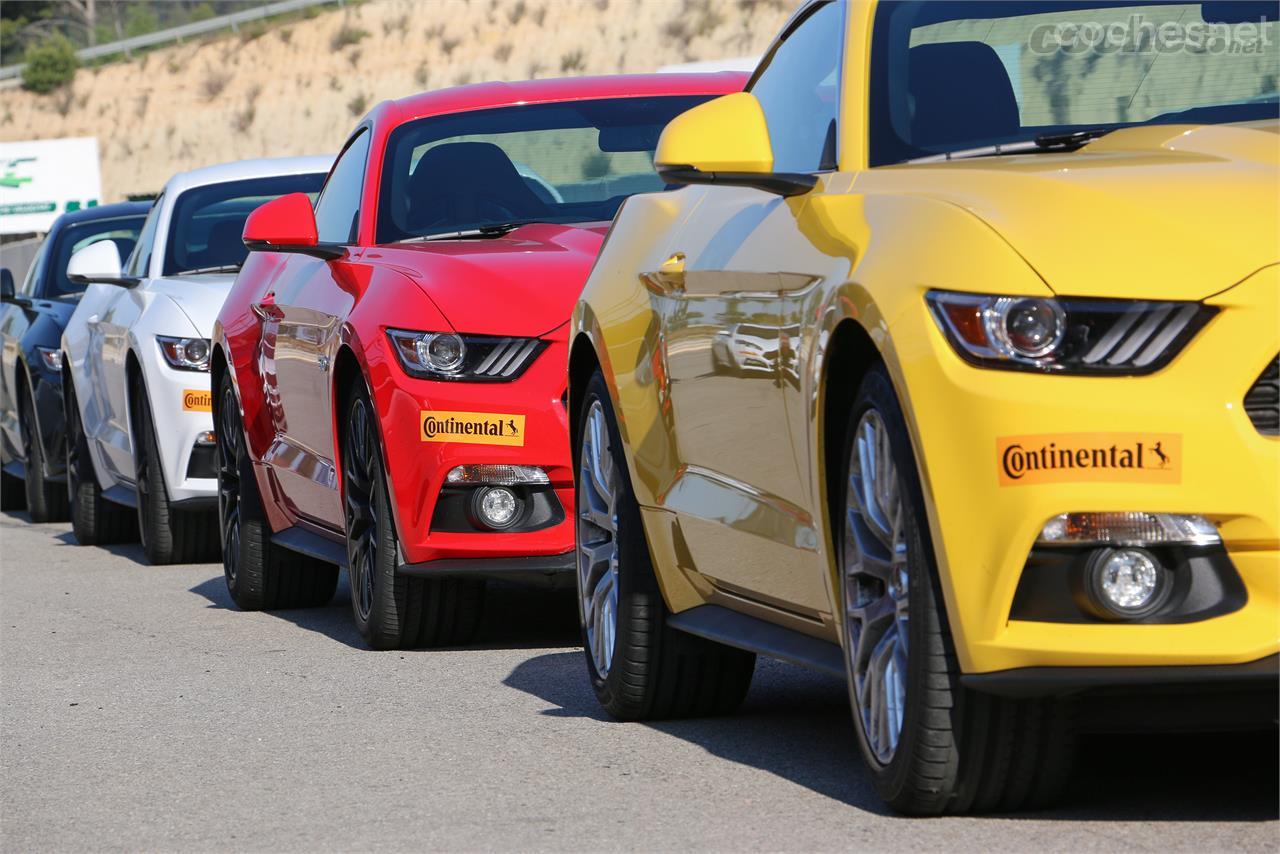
(298, 88)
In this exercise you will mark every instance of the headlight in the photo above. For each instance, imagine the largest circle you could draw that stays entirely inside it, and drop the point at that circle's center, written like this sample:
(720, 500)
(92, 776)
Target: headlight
(1069, 336)
(51, 358)
(185, 354)
(469, 358)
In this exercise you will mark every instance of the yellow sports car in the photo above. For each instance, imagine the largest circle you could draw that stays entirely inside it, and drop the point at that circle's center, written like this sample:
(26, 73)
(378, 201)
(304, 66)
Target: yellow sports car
(953, 372)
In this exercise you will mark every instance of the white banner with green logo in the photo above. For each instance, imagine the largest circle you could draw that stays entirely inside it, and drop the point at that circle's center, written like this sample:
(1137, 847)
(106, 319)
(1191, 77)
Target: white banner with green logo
(42, 179)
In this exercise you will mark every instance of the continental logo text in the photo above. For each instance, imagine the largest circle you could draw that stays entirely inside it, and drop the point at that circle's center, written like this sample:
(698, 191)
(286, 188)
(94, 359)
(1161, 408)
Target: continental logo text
(1083, 457)
(472, 428)
(195, 400)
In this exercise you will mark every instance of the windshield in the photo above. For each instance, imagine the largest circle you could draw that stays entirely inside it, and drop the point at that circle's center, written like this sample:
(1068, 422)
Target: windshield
(951, 76)
(71, 239)
(567, 162)
(208, 222)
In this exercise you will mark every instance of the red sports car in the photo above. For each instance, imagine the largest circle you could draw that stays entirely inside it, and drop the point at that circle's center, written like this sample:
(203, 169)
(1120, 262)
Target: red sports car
(389, 368)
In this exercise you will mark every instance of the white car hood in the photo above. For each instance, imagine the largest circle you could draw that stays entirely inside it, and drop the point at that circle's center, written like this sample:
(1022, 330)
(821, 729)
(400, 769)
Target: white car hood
(199, 297)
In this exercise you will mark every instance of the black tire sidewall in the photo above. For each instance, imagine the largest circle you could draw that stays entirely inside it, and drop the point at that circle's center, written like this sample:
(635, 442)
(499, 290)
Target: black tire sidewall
(385, 609)
(638, 590)
(876, 392)
(154, 514)
(34, 482)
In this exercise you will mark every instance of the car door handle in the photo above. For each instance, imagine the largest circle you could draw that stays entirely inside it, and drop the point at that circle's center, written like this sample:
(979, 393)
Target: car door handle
(669, 280)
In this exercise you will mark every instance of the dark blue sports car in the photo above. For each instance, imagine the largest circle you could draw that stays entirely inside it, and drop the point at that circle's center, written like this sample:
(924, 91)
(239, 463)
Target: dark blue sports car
(32, 317)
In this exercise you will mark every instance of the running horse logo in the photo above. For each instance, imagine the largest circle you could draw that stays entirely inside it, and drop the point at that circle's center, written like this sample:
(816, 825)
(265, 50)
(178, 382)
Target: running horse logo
(515, 431)
(1164, 458)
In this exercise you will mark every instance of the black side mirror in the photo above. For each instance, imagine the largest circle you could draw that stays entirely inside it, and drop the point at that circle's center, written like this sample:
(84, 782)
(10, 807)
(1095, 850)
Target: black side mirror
(8, 293)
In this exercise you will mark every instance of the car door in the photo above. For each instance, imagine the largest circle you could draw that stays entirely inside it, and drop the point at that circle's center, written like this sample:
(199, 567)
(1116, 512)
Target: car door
(736, 266)
(310, 300)
(113, 311)
(15, 320)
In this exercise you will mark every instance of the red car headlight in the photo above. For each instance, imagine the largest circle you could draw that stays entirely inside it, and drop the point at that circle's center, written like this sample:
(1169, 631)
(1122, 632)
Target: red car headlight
(465, 358)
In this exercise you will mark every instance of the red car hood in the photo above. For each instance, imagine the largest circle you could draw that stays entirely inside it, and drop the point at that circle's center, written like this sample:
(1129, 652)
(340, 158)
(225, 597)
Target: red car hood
(523, 284)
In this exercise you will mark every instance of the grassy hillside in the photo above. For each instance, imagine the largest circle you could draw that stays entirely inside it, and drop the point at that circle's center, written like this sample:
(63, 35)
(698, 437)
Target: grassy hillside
(299, 87)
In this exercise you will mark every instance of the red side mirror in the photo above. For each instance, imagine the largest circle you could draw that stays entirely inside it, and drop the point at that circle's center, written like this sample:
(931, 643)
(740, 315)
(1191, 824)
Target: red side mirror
(286, 224)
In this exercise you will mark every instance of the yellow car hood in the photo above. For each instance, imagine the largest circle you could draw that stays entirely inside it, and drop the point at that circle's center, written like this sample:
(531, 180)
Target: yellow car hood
(1156, 212)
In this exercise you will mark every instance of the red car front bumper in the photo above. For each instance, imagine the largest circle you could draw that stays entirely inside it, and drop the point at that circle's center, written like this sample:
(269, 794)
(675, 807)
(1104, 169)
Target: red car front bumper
(417, 466)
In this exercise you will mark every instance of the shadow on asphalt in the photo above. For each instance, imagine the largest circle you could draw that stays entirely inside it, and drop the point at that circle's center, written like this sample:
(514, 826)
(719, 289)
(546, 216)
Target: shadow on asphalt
(796, 724)
(129, 551)
(514, 617)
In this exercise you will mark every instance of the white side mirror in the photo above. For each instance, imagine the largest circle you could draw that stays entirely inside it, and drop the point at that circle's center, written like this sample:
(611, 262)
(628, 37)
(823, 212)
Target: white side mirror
(97, 262)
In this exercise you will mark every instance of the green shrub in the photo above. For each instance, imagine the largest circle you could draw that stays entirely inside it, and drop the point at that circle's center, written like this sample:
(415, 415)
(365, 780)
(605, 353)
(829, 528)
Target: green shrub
(347, 36)
(50, 65)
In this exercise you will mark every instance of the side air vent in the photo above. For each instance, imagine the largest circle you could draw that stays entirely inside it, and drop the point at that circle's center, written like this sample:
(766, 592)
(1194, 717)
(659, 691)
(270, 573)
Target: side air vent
(1263, 400)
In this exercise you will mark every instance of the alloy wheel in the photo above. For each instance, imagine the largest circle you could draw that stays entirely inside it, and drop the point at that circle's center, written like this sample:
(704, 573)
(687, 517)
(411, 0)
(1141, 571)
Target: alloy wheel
(229, 445)
(598, 487)
(360, 479)
(874, 566)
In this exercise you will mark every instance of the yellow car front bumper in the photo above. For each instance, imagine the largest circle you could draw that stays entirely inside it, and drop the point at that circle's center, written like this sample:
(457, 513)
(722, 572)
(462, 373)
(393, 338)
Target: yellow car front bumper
(1216, 464)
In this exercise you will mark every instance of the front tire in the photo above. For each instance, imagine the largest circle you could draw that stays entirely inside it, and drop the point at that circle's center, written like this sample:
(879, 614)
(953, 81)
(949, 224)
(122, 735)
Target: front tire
(46, 501)
(640, 668)
(169, 535)
(932, 746)
(260, 575)
(94, 519)
(392, 611)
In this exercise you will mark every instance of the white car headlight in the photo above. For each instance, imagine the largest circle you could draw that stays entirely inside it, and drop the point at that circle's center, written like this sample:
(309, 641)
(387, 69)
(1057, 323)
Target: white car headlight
(185, 354)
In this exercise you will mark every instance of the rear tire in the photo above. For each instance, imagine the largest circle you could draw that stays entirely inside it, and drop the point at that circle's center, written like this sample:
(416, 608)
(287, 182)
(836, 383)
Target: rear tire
(46, 501)
(392, 611)
(260, 575)
(169, 535)
(932, 745)
(640, 668)
(94, 520)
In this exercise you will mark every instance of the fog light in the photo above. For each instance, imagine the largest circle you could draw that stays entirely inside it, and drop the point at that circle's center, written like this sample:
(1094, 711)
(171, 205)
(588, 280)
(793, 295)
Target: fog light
(208, 437)
(1128, 529)
(1127, 583)
(498, 506)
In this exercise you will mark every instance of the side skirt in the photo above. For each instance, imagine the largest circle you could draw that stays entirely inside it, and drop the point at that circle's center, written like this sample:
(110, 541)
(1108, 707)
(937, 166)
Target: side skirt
(311, 544)
(719, 624)
(121, 495)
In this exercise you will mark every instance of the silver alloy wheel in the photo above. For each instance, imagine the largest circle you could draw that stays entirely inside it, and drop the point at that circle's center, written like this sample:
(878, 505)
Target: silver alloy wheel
(874, 566)
(598, 540)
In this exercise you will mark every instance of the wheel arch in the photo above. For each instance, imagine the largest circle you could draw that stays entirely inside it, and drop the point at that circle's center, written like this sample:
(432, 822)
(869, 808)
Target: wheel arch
(583, 362)
(850, 353)
(217, 369)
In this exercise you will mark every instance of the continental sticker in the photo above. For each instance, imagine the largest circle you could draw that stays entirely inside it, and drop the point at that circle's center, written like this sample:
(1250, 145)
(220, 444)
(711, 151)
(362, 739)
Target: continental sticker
(195, 400)
(1089, 457)
(472, 428)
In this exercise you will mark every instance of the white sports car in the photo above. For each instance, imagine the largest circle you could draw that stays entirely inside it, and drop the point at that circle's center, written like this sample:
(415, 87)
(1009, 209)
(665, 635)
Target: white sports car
(136, 360)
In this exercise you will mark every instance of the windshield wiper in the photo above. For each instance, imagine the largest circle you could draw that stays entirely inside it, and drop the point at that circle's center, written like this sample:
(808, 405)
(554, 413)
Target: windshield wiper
(224, 268)
(493, 230)
(1044, 142)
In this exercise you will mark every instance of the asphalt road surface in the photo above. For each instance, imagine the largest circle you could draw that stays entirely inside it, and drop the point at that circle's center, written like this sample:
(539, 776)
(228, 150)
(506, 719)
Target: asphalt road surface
(141, 710)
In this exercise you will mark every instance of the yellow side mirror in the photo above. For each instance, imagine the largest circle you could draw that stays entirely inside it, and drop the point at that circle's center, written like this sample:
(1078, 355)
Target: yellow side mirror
(724, 141)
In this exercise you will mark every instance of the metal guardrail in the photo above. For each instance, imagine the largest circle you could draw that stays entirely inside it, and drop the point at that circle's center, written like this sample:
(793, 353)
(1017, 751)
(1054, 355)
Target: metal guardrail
(232, 21)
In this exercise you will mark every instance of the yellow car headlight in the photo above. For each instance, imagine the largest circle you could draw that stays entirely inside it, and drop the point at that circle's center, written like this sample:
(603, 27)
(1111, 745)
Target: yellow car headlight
(1070, 336)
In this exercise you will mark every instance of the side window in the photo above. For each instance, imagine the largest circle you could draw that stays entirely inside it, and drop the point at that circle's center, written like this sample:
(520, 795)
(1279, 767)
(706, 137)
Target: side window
(338, 208)
(799, 89)
(140, 260)
(35, 273)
